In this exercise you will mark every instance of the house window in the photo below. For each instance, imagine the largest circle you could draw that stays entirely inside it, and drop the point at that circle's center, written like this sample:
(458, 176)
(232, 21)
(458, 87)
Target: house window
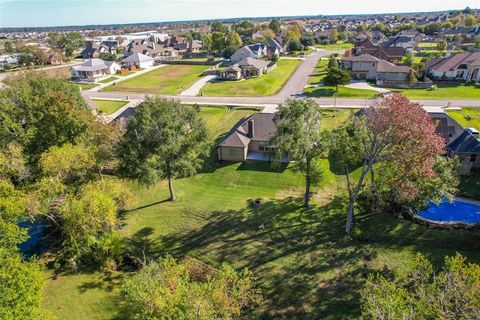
(262, 146)
(473, 158)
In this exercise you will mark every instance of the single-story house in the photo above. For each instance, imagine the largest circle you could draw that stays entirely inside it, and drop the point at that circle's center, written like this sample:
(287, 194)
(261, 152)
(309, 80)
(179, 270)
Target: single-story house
(250, 135)
(192, 46)
(255, 51)
(247, 68)
(461, 66)
(94, 69)
(93, 49)
(139, 60)
(367, 67)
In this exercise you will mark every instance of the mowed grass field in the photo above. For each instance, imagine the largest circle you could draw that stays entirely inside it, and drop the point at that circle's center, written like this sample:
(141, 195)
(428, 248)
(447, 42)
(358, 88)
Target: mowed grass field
(467, 117)
(108, 106)
(305, 266)
(325, 91)
(267, 84)
(171, 79)
(335, 46)
(447, 91)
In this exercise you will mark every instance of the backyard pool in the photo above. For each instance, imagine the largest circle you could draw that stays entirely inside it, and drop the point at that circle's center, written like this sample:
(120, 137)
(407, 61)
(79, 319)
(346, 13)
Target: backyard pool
(457, 211)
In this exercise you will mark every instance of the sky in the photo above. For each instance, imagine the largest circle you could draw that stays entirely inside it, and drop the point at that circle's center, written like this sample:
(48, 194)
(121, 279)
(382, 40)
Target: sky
(40, 13)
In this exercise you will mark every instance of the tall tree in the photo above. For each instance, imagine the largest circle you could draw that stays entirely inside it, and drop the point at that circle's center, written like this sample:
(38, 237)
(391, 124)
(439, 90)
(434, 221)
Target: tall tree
(299, 135)
(400, 133)
(218, 41)
(233, 39)
(163, 140)
(275, 26)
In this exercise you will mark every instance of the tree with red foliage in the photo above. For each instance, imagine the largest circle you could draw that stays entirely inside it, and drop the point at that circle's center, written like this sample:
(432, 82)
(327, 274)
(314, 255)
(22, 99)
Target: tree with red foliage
(399, 133)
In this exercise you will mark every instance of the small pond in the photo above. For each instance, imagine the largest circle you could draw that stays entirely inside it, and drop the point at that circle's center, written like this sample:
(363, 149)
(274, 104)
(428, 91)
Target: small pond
(458, 211)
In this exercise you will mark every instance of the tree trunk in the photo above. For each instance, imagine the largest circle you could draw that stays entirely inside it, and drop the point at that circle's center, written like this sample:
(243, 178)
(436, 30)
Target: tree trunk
(353, 198)
(307, 186)
(170, 188)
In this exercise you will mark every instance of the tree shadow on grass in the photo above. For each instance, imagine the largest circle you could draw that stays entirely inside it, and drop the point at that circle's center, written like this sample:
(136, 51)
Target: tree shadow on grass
(301, 257)
(322, 92)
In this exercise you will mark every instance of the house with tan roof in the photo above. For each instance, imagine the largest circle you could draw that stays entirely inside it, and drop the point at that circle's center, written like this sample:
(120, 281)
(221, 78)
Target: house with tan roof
(460, 67)
(145, 47)
(94, 69)
(247, 68)
(249, 138)
(367, 67)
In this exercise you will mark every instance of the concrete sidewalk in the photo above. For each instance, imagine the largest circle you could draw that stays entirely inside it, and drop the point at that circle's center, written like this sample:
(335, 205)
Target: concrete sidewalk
(194, 90)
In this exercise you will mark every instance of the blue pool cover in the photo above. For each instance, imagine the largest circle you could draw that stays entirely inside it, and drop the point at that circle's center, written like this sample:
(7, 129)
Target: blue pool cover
(455, 211)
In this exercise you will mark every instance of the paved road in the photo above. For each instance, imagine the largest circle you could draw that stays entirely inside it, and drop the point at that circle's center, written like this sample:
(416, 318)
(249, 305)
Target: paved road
(293, 88)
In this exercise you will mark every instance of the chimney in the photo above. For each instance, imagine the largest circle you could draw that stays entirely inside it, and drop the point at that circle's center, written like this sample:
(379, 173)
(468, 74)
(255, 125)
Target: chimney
(250, 129)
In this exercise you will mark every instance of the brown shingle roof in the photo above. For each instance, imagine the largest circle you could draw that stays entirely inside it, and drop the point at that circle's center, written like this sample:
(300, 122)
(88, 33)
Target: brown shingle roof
(263, 127)
(454, 61)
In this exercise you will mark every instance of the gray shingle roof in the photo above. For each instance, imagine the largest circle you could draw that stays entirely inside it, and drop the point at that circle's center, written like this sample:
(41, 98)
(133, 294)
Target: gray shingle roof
(465, 143)
(263, 127)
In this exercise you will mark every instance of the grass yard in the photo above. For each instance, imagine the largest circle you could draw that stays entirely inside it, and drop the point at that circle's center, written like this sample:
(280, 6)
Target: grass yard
(326, 91)
(109, 106)
(427, 45)
(109, 79)
(305, 265)
(459, 91)
(337, 46)
(470, 185)
(467, 117)
(267, 84)
(171, 79)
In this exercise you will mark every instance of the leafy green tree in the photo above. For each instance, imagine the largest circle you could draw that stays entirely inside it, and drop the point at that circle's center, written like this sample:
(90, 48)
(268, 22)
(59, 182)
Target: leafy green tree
(420, 293)
(164, 140)
(39, 112)
(108, 56)
(207, 43)
(167, 289)
(307, 40)
(218, 41)
(217, 26)
(70, 42)
(442, 45)
(337, 77)
(229, 51)
(411, 78)
(233, 39)
(334, 36)
(21, 283)
(294, 45)
(88, 223)
(477, 41)
(299, 135)
(275, 26)
(332, 62)
(410, 59)
(470, 21)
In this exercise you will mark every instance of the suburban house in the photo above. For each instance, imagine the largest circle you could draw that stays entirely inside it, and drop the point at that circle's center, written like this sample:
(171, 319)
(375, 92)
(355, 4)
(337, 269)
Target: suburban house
(192, 46)
(145, 47)
(94, 69)
(255, 51)
(391, 54)
(461, 143)
(461, 66)
(139, 60)
(375, 37)
(55, 59)
(367, 67)
(247, 68)
(93, 49)
(249, 138)
(276, 46)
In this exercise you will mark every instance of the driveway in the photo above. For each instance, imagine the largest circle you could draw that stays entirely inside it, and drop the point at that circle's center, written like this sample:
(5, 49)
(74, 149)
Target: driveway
(363, 85)
(197, 86)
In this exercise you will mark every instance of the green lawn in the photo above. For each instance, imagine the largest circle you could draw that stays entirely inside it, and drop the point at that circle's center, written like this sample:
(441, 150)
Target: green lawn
(470, 185)
(326, 91)
(109, 79)
(453, 91)
(267, 84)
(306, 267)
(467, 117)
(427, 44)
(337, 46)
(109, 106)
(171, 79)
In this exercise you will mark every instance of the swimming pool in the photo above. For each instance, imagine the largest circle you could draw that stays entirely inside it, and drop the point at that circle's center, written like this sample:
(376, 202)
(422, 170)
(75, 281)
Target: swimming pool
(457, 211)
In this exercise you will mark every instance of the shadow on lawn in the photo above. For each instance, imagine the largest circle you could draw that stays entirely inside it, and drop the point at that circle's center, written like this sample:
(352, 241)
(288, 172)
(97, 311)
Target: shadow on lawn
(305, 266)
